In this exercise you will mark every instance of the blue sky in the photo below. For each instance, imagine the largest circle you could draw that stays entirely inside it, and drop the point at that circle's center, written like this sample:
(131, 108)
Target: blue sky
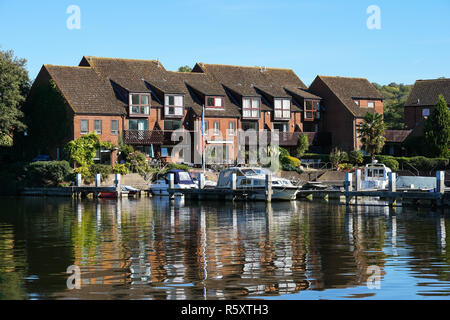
(326, 37)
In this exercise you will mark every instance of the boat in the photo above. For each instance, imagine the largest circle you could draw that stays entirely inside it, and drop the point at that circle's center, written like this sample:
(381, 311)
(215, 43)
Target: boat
(126, 190)
(208, 183)
(376, 176)
(182, 180)
(254, 179)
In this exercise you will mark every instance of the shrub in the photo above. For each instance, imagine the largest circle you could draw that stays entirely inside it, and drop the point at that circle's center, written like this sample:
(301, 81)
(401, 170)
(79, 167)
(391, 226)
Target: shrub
(302, 145)
(389, 162)
(137, 162)
(102, 169)
(174, 166)
(356, 157)
(47, 173)
(345, 167)
(338, 156)
(120, 169)
(86, 174)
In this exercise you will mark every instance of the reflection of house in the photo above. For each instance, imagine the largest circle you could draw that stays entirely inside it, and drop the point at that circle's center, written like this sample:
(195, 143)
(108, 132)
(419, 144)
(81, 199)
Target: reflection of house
(346, 101)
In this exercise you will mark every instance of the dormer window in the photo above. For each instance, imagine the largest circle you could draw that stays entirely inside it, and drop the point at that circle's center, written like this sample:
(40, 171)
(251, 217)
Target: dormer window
(311, 110)
(214, 102)
(251, 108)
(139, 104)
(282, 109)
(174, 106)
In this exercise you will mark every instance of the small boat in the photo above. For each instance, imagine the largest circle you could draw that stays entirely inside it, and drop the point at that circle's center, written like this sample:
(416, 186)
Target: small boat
(182, 181)
(255, 179)
(208, 183)
(126, 190)
(375, 176)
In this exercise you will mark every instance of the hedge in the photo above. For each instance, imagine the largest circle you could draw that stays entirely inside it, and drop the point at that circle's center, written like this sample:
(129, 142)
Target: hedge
(47, 173)
(420, 163)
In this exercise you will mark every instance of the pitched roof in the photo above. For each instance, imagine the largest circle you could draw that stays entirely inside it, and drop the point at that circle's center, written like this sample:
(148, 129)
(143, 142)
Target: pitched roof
(346, 89)
(426, 92)
(303, 93)
(247, 77)
(397, 136)
(85, 90)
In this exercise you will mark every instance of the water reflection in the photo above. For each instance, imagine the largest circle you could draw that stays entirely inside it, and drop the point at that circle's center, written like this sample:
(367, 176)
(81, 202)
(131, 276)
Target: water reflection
(158, 249)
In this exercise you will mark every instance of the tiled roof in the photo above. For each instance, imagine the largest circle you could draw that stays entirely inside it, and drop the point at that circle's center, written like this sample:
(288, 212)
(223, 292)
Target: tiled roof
(85, 90)
(426, 92)
(303, 93)
(397, 136)
(346, 89)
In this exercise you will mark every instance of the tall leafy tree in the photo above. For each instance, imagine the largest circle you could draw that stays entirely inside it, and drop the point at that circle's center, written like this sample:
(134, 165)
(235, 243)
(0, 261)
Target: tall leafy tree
(14, 87)
(437, 130)
(371, 132)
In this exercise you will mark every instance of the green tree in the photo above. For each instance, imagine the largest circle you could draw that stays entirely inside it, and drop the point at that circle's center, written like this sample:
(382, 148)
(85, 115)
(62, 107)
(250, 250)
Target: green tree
(437, 130)
(337, 157)
(371, 132)
(302, 145)
(82, 151)
(14, 87)
(356, 157)
(185, 69)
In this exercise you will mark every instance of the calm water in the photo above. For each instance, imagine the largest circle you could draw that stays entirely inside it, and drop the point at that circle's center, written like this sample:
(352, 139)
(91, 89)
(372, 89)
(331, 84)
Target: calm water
(151, 249)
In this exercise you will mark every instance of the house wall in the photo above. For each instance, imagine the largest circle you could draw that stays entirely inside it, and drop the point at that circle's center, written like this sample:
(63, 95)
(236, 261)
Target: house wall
(336, 119)
(413, 115)
(106, 126)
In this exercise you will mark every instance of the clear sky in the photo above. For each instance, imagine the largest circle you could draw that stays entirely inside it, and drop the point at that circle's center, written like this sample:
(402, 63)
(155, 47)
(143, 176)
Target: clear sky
(326, 37)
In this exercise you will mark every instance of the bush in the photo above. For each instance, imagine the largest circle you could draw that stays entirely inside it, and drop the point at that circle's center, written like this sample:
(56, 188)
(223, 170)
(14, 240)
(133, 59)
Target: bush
(389, 162)
(345, 167)
(356, 157)
(120, 169)
(137, 162)
(174, 166)
(102, 169)
(86, 174)
(337, 157)
(47, 173)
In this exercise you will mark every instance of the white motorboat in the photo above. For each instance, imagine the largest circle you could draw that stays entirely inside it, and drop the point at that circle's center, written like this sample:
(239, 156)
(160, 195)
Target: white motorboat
(255, 179)
(376, 176)
(182, 180)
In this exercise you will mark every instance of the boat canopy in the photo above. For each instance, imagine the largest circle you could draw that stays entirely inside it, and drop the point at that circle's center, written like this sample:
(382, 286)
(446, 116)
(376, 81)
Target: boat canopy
(181, 177)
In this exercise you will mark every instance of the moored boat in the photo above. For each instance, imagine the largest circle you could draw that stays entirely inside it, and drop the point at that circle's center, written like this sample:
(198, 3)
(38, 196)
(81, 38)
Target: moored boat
(255, 179)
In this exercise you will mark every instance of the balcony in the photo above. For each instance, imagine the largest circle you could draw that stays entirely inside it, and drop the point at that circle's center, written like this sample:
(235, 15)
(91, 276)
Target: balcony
(143, 137)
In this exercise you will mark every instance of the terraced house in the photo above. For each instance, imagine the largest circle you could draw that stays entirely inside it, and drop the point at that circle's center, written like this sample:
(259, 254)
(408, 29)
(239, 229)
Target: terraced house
(141, 103)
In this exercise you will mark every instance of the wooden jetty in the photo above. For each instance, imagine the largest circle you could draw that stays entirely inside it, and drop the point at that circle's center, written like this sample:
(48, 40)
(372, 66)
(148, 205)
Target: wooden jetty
(351, 193)
(80, 191)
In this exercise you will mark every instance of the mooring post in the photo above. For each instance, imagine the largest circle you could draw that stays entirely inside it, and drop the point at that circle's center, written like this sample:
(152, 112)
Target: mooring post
(440, 186)
(358, 180)
(348, 186)
(117, 184)
(98, 182)
(233, 181)
(171, 185)
(201, 181)
(269, 187)
(78, 180)
(392, 187)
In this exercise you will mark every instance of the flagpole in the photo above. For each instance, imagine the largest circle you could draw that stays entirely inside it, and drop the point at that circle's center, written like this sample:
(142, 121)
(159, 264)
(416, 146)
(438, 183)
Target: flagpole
(203, 140)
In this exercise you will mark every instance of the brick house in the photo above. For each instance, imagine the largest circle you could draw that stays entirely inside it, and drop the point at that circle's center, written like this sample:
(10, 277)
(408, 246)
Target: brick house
(142, 104)
(346, 101)
(421, 101)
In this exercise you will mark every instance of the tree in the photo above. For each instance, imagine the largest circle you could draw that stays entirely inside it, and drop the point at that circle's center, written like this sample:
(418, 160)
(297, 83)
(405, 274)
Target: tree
(337, 157)
(82, 151)
(185, 69)
(371, 133)
(302, 145)
(356, 157)
(14, 87)
(437, 130)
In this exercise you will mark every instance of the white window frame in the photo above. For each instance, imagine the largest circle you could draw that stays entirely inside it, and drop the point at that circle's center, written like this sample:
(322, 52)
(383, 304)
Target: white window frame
(178, 109)
(282, 111)
(99, 132)
(81, 126)
(252, 112)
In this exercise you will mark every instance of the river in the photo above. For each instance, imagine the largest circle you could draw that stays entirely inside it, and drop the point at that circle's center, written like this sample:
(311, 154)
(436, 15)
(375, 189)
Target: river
(153, 249)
